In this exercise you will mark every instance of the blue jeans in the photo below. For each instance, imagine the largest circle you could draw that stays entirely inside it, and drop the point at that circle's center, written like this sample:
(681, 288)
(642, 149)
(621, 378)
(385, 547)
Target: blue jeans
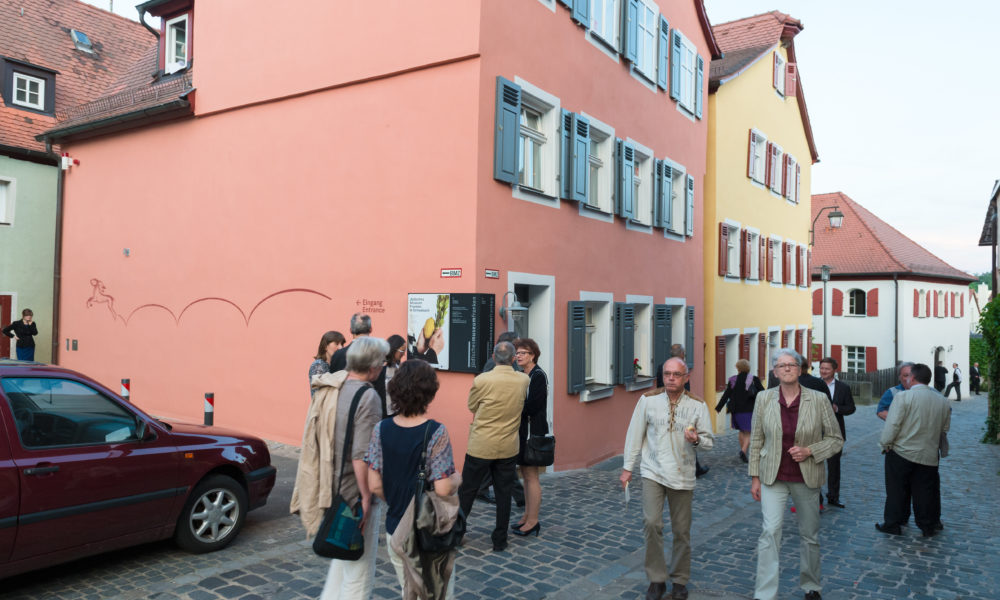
(25, 353)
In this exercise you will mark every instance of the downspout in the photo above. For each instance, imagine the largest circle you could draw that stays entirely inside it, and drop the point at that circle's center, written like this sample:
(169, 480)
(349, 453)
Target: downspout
(57, 260)
(155, 32)
(895, 334)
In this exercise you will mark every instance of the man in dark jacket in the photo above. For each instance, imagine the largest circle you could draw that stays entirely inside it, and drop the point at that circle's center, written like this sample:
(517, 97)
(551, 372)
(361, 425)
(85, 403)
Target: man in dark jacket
(843, 405)
(940, 376)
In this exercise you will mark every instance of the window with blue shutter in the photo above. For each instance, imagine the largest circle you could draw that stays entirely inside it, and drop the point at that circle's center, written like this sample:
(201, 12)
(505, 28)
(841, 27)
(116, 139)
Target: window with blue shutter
(576, 375)
(580, 168)
(698, 85)
(625, 155)
(566, 155)
(675, 66)
(689, 208)
(662, 334)
(667, 187)
(581, 12)
(658, 193)
(624, 343)
(663, 53)
(689, 339)
(630, 30)
(508, 114)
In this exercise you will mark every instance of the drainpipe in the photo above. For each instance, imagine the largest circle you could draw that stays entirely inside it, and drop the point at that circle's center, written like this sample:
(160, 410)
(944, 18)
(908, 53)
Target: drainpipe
(142, 20)
(895, 334)
(57, 261)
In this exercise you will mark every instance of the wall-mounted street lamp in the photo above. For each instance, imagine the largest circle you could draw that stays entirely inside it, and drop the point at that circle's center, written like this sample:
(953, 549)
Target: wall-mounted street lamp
(512, 312)
(836, 220)
(824, 274)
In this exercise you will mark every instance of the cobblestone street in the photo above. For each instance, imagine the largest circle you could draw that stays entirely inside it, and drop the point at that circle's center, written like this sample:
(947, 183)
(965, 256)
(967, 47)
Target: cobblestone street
(590, 548)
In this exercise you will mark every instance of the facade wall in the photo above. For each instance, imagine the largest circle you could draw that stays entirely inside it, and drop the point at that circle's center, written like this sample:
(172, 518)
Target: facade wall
(26, 250)
(737, 305)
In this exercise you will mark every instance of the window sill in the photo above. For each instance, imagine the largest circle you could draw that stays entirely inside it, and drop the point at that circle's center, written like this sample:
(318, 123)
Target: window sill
(595, 208)
(597, 391)
(640, 383)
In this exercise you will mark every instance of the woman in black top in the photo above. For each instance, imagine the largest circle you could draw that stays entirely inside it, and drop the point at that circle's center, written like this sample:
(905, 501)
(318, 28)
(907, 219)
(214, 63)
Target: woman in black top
(741, 395)
(24, 331)
(533, 419)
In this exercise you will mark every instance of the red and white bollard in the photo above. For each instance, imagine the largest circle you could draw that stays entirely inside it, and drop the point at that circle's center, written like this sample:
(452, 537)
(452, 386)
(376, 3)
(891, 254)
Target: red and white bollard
(209, 409)
(126, 389)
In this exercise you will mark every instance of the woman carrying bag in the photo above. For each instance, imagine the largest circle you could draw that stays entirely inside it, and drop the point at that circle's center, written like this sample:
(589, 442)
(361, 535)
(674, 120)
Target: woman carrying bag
(533, 421)
(740, 395)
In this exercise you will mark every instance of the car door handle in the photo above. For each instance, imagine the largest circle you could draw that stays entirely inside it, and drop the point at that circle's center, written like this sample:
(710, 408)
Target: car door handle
(40, 470)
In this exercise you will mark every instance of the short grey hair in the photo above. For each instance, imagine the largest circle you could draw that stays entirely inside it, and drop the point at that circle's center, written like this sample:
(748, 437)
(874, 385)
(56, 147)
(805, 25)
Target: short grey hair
(903, 365)
(366, 353)
(503, 353)
(361, 324)
(786, 352)
(507, 336)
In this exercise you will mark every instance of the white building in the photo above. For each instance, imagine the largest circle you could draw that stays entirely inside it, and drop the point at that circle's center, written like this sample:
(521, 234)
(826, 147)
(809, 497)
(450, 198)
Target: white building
(887, 298)
(979, 297)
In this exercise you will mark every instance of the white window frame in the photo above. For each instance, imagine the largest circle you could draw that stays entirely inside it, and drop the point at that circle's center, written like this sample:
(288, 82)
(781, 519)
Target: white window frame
(852, 308)
(610, 30)
(171, 62)
(803, 260)
(789, 177)
(599, 351)
(643, 183)
(921, 304)
(758, 160)
(27, 80)
(688, 64)
(547, 105)
(779, 73)
(754, 258)
(647, 36)
(643, 335)
(774, 245)
(601, 197)
(853, 356)
(776, 168)
(7, 193)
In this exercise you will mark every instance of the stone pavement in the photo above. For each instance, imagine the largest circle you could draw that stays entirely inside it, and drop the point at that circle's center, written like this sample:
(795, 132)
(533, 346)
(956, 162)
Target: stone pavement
(590, 548)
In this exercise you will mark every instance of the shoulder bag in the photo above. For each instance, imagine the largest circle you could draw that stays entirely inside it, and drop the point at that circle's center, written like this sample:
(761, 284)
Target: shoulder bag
(340, 534)
(540, 450)
(425, 515)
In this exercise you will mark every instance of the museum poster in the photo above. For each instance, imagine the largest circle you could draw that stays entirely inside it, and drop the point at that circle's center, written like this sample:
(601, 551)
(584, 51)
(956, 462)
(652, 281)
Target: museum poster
(453, 332)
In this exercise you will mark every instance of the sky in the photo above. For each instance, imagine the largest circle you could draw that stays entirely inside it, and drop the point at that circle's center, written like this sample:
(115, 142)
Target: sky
(901, 97)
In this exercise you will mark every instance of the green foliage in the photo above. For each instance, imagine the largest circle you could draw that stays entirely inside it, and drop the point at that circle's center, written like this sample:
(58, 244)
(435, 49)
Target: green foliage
(986, 278)
(979, 352)
(989, 323)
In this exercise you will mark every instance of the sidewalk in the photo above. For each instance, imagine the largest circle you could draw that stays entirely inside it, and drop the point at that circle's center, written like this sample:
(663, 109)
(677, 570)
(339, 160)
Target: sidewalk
(591, 549)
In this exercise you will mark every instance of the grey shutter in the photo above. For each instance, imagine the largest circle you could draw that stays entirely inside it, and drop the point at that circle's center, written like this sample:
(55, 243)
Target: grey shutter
(576, 365)
(581, 12)
(689, 208)
(508, 116)
(580, 159)
(566, 155)
(663, 52)
(630, 30)
(625, 185)
(689, 338)
(675, 66)
(662, 334)
(624, 343)
(668, 196)
(698, 85)
(658, 193)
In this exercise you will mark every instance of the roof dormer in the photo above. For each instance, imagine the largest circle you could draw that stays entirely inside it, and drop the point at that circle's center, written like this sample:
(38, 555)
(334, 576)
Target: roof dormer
(175, 32)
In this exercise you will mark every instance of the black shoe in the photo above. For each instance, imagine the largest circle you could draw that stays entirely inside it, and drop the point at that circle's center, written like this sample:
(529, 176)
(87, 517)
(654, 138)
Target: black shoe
(813, 595)
(699, 473)
(534, 530)
(656, 590)
(939, 526)
(890, 529)
(500, 546)
(679, 592)
(834, 502)
(929, 532)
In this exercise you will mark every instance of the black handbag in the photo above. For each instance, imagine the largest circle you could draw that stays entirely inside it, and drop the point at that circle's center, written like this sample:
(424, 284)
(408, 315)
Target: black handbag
(340, 534)
(427, 541)
(540, 451)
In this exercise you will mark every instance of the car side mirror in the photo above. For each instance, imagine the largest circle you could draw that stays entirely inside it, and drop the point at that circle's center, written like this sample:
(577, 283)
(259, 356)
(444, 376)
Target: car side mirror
(141, 430)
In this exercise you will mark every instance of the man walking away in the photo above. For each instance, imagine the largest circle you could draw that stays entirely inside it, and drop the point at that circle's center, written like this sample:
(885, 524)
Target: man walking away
(666, 428)
(974, 379)
(913, 440)
(484, 490)
(956, 383)
(496, 401)
(940, 376)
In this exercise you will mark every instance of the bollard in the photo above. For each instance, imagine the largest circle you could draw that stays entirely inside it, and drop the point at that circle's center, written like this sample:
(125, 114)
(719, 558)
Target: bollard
(126, 389)
(209, 409)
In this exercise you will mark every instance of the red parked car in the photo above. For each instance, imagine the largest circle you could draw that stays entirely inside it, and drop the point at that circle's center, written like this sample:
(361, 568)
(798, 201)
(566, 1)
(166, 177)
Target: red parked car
(83, 471)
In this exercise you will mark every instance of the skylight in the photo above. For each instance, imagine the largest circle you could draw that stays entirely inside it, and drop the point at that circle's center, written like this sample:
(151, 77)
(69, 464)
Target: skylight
(81, 41)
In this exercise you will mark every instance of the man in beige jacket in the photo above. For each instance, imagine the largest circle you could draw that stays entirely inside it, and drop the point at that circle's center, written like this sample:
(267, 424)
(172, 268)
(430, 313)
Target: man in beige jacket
(496, 400)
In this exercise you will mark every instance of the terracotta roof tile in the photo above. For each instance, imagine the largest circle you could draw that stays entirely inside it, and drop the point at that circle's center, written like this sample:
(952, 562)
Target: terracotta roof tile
(40, 35)
(865, 244)
(744, 40)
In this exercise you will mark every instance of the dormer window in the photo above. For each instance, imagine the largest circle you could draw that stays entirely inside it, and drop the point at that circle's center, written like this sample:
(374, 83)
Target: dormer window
(81, 41)
(176, 44)
(29, 91)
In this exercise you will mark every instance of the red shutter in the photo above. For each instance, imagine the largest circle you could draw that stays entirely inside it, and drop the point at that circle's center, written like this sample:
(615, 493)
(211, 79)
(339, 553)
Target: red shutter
(762, 258)
(835, 352)
(814, 349)
(954, 297)
(744, 255)
(762, 357)
(961, 304)
(837, 303)
(767, 165)
(872, 302)
(791, 79)
(871, 359)
(753, 139)
(786, 262)
(798, 340)
(785, 160)
(799, 267)
(818, 302)
(935, 303)
(745, 346)
(770, 260)
(784, 339)
(947, 299)
(720, 363)
(809, 259)
(927, 312)
(723, 248)
(916, 303)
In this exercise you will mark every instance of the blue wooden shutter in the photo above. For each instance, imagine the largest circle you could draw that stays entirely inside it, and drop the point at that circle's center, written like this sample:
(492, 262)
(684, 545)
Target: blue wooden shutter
(675, 66)
(581, 12)
(698, 85)
(508, 116)
(689, 339)
(630, 30)
(576, 360)
(625, 160)
(624, 343)
(662, 334)
(580, 158)
(658, 193)
(664, 52)
(668, 196)
(565, 155)
(689, 208)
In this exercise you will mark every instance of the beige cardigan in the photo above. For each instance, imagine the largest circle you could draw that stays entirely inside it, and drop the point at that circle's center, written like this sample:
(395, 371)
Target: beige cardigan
(817, 429)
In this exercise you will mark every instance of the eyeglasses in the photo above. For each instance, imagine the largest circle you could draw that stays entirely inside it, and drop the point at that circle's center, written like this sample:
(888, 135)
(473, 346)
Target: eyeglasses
(400, 350)
(673, 374)
(787, 366)
(522, 353)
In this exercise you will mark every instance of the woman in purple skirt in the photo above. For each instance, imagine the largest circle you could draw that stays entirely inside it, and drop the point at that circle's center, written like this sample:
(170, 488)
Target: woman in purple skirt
(740, 394)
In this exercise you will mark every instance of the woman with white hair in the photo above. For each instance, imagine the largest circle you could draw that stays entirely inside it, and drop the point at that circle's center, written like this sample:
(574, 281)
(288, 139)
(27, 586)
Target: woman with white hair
(353, 580)
(792, 433)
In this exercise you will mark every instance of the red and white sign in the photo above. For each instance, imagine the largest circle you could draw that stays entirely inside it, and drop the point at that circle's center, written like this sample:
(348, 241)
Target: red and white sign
(492, 273)
(451, 272)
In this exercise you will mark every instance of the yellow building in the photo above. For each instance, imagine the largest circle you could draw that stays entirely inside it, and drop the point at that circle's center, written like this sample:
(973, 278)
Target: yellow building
(757, 201)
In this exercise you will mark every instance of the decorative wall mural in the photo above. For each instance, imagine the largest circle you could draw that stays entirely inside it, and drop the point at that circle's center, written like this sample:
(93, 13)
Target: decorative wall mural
(99, 295)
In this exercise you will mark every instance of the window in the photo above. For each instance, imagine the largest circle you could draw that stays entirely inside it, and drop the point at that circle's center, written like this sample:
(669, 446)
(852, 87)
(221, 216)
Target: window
(642, 185)
(81, 41)
(643, 339)
(58, 412)
(729, 250)
(779, 73)
(791, 168)
(526, 138)
(176, 52)
(29, 91)
(776, 254)
(855, 359)
(604, 20)
(686, 74)
(6, 201)
(757, 156)
(803, 267)
(529, 168)
(647, 21)
(600, 161)
(752, 255)
(774, 162)
(589, 344)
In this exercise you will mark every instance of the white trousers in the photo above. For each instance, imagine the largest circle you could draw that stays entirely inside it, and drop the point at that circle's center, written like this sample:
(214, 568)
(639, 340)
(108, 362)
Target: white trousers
(355, 579)
(773, 502)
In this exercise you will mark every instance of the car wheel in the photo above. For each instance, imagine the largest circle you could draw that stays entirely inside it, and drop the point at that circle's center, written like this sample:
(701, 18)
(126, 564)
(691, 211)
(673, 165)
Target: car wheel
(212, 516)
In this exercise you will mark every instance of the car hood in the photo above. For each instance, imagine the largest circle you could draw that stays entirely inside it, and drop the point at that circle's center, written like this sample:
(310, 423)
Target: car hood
(207, 430)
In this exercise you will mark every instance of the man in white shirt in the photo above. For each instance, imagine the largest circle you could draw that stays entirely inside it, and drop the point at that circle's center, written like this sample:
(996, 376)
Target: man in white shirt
(666, 427)
(956, 382)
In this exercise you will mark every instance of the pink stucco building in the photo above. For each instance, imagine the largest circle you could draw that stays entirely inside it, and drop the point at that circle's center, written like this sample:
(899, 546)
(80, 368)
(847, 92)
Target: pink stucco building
(238, 196)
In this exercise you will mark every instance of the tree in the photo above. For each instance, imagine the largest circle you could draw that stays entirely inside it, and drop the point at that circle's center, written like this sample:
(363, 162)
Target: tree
(989, 323)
